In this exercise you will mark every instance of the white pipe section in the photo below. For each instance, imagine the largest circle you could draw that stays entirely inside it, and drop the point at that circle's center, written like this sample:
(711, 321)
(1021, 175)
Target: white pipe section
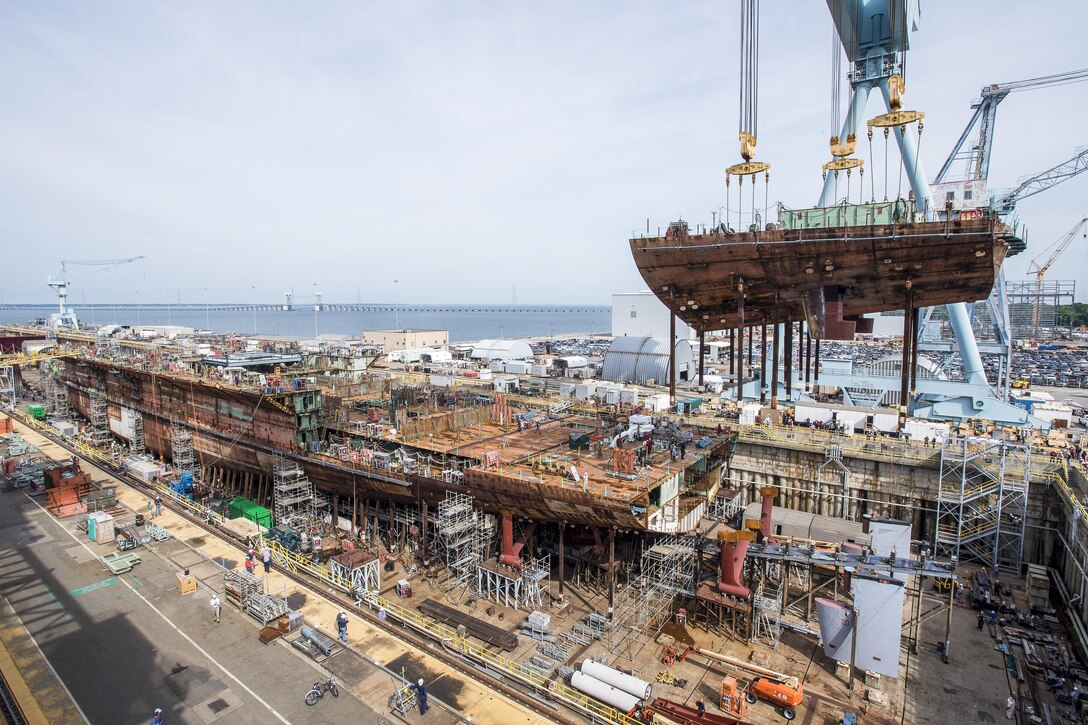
(622, 701)
(628, 683)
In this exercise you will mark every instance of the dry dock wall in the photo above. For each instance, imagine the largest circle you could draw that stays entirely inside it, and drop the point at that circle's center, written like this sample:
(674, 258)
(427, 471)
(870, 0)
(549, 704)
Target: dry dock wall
(855, 478)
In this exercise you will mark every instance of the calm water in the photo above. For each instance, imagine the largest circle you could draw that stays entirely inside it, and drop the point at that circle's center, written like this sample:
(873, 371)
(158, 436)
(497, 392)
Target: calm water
(462, 323)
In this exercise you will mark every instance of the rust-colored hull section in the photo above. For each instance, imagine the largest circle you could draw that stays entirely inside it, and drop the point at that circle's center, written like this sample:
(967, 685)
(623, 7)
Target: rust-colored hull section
(867, 267)
(229, 440)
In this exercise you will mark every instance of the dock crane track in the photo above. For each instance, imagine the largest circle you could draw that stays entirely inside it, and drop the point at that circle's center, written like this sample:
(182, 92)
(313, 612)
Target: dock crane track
(403, 633)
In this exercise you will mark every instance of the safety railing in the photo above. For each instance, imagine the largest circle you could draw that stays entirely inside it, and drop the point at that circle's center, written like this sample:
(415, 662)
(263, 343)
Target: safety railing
(481, 655)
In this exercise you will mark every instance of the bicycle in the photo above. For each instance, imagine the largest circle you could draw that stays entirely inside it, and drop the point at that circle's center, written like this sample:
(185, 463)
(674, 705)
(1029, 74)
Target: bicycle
(320, 688)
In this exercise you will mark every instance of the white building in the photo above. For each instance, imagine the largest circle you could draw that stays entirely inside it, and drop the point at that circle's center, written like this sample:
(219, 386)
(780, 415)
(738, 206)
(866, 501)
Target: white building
(502, 350)
(642, 359)
(641, 314)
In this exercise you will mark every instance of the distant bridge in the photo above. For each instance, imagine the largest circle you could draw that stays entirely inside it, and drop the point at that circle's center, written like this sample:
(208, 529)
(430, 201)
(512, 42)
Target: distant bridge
(325, 306)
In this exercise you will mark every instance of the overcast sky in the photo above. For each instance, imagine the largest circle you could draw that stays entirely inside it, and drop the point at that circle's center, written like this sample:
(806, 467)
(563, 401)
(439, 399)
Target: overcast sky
(462, 147)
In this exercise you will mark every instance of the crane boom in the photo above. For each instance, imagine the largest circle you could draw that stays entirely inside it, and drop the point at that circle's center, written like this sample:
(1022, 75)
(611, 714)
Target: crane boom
(977, 155)
(1039, 270)
(66, 317)
(1032, 185)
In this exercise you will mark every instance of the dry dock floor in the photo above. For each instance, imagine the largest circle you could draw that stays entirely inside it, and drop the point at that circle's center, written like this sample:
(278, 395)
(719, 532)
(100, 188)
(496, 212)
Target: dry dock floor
(123, 645)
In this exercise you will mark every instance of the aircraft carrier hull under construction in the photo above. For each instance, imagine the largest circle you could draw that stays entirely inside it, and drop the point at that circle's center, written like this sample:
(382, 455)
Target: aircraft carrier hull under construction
(237, 434)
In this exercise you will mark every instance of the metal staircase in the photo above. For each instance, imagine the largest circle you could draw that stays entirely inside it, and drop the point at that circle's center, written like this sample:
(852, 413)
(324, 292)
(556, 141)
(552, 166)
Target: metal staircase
(982, 501)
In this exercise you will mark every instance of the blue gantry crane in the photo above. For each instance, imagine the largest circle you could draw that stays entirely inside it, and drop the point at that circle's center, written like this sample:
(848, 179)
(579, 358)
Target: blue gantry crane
(875, 35)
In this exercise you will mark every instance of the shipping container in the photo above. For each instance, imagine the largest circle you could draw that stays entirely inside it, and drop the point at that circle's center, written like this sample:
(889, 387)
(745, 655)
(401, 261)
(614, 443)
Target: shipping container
(243, 508)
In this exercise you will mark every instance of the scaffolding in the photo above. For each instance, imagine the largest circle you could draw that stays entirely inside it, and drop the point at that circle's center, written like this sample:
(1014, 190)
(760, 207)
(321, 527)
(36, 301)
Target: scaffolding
(645, 606)
(56, 393)
(181, 449)
(982, 501)
(100, 420)
(1035, 307)
(462, 537)
(139, 447)
(294, 499)
(767, 615)
(7, 386)
(534, 576)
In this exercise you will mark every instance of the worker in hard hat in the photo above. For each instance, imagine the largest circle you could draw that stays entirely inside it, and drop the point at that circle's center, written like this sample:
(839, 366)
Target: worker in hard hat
(421, 696)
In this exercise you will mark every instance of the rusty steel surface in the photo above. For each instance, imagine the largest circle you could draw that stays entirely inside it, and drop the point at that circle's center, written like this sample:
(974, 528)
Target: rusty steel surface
(867, 266)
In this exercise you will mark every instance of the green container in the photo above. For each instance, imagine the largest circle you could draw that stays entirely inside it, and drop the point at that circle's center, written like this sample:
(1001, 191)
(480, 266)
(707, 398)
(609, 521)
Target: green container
(36, 411)
(243, 508)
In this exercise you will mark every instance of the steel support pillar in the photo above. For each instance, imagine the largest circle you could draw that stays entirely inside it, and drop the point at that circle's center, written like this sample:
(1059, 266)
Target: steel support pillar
(562, 557)
(816, 366)
(774, 358)
(808, 360)
(732, 351)
(787, 357)
(672, 355)
(908, 316)
(915, 323)
(611, 570)
(763, 363)
(702, 358)
(740, 342)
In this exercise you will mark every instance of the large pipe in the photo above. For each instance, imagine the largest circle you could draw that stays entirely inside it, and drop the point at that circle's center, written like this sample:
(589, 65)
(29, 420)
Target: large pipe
(622, 701)
(734, 546)
(628, 683)
(325, 643)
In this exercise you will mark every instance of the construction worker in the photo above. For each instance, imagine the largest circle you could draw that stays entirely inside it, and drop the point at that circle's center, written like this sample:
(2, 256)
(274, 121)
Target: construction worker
(342, 625)
(216, 606)
(156, 717)
(266, 556)
(421, 695)
(158, 505)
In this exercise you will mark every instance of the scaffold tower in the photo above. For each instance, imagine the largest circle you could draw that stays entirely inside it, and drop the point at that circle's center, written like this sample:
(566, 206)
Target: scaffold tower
(463, 537)
(534, 576)
(100, 420)
(181, 449)
(646, 605)
(56, 393)
(292, 494)
(982, 501)
(7, 386)
(767, 615)
(139, 447)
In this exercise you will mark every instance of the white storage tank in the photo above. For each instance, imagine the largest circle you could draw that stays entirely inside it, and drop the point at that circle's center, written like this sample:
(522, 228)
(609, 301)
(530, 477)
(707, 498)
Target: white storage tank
(628, 683)
(606, 693)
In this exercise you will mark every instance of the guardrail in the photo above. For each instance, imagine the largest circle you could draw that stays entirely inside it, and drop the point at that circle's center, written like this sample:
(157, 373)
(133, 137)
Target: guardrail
(448, 638)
